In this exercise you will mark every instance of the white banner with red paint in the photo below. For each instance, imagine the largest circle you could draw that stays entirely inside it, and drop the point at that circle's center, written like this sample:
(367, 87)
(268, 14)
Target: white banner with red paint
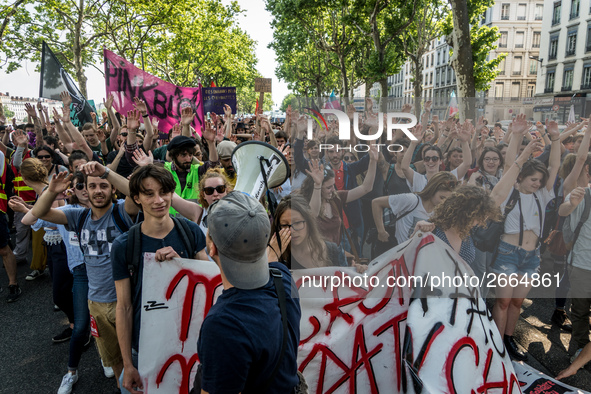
(366, 338)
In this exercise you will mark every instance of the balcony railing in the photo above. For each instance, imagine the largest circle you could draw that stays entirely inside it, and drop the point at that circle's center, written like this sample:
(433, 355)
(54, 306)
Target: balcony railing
(538, 17)
(552, 56)
(516, 72)
(566, 88)
(570, 52)
(535, 45)
(586, 86)
(502, 45)
(548, 90)
(521, 18)
(574, 15)
(588, 48)
(505, 17)
(533, 72)
(555, 21)
(518, 45)
(501, 72)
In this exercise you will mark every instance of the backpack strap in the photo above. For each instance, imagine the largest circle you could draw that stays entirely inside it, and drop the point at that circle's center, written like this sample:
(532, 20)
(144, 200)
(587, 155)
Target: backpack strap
(118, 219)
(81, 221)
(277, 280)
(412, 209)
(390, 172)
(521, 220)
(134, 251)
(186, 235)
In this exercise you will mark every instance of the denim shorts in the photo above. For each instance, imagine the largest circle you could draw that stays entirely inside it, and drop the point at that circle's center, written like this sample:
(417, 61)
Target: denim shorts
(512, 259)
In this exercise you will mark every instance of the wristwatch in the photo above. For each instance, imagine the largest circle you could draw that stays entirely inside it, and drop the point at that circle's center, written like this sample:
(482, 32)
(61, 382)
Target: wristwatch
(106, 174)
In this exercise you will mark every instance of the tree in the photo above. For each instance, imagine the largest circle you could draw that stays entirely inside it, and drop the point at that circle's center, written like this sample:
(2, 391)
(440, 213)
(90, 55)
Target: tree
(287, 100)
(471, 44)
(383, 21)
(12, 11)
(7, 112)
(416, 39)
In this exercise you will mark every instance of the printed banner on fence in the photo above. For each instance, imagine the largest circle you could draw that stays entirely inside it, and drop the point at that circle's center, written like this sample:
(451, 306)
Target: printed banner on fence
(54, 80)
(352, 339)
(164, 99)
(215, 98)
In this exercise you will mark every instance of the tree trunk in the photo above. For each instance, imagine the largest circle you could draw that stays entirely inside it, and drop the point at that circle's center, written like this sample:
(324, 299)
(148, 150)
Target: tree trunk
(384, 94)
(462, 61)
(418, 84)
(77, 51)
(345, 79)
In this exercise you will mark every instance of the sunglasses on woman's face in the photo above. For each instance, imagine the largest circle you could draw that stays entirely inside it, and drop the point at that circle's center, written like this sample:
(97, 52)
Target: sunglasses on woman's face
(40, 157)
(80, 186)
(209, 190)
(123, 134)
(427, 159)
(349, 158)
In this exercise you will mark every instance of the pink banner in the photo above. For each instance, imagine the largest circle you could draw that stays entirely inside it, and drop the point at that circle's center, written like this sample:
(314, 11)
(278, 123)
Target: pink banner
(164, 100)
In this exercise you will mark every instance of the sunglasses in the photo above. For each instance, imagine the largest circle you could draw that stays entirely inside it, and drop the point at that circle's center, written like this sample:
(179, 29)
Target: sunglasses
(297, 226)
(349, 158)
(43, 157)
(209, 190)
(427, 159)
(80, 186)
(124, 134)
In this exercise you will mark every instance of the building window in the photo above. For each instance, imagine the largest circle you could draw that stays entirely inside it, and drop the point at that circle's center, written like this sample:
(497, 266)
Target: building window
(431, 78)
(556, 13)
(586, 81)
(531, 89)
(553, 47)
(519, 38)
(502, 67)
(571, 42)
(539, 12)
(550, 77)
(505, 11)
(521, 12)
(517, 65)
(533, 67)
(535, 42)
(588, 48)
(575, 7)
(499, 88)
(503, 40)
(515, 90)
(567, 79)
(438, 58)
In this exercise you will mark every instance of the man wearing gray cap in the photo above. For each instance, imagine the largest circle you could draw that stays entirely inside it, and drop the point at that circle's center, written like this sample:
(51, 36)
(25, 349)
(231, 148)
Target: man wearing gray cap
(249, 339)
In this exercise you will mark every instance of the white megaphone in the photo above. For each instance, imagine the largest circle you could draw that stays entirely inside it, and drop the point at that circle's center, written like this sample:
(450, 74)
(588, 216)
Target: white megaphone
(258, 166)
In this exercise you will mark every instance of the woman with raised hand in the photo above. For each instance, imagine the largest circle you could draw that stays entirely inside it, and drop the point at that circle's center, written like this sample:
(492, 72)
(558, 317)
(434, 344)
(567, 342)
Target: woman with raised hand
(409, 209)
(432, 157)
(527, 187)
(327, 203)
(489, 169)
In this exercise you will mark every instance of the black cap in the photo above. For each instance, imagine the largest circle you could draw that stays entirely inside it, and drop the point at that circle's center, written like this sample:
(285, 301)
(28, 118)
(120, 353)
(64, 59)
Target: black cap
(181, 141)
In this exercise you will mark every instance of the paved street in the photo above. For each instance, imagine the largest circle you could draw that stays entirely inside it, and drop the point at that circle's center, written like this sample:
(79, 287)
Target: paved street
(32, 364)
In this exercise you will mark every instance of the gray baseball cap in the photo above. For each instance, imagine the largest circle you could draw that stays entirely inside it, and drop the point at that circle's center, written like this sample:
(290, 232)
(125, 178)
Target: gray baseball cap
(240, 229)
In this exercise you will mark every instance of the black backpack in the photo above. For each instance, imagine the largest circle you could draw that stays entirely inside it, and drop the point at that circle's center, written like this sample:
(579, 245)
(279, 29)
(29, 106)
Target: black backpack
(117, 218)
(133, 252)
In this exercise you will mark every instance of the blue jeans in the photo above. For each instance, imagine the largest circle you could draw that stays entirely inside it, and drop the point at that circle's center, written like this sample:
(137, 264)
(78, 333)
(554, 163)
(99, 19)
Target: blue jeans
(81, 316)
(512, 259)
(134, 359)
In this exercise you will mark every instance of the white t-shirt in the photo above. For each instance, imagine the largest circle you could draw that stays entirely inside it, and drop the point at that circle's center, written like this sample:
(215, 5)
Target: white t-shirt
(402, 203)
(531, 214)
(419, 181)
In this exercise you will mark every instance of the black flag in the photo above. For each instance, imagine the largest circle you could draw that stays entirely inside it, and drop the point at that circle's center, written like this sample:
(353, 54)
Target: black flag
(54, 80)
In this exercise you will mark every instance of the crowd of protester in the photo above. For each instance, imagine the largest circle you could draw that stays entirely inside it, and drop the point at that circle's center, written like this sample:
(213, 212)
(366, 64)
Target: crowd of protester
(73, 195)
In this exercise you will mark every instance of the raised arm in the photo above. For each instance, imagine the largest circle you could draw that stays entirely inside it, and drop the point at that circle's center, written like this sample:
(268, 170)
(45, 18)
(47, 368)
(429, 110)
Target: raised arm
(518, 128)
(316, 172)
(370, 177)
(406, 159)
(187, 117)
(115, 125)
(554, 163)
(576, 196)
(228, 124)
(503, 187)
(464, 136)
(37, 122)
(76, 135)
(208, 134)
(59, 183)
(21, 140)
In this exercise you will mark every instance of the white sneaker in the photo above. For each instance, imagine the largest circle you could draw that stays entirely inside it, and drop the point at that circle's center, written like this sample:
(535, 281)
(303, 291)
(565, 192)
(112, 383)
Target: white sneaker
(67, 383)
(108, 371)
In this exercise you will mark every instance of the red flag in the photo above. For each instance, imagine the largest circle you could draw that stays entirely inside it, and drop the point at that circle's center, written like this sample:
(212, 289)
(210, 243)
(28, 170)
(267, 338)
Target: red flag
(256, 110)
(213, 84)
